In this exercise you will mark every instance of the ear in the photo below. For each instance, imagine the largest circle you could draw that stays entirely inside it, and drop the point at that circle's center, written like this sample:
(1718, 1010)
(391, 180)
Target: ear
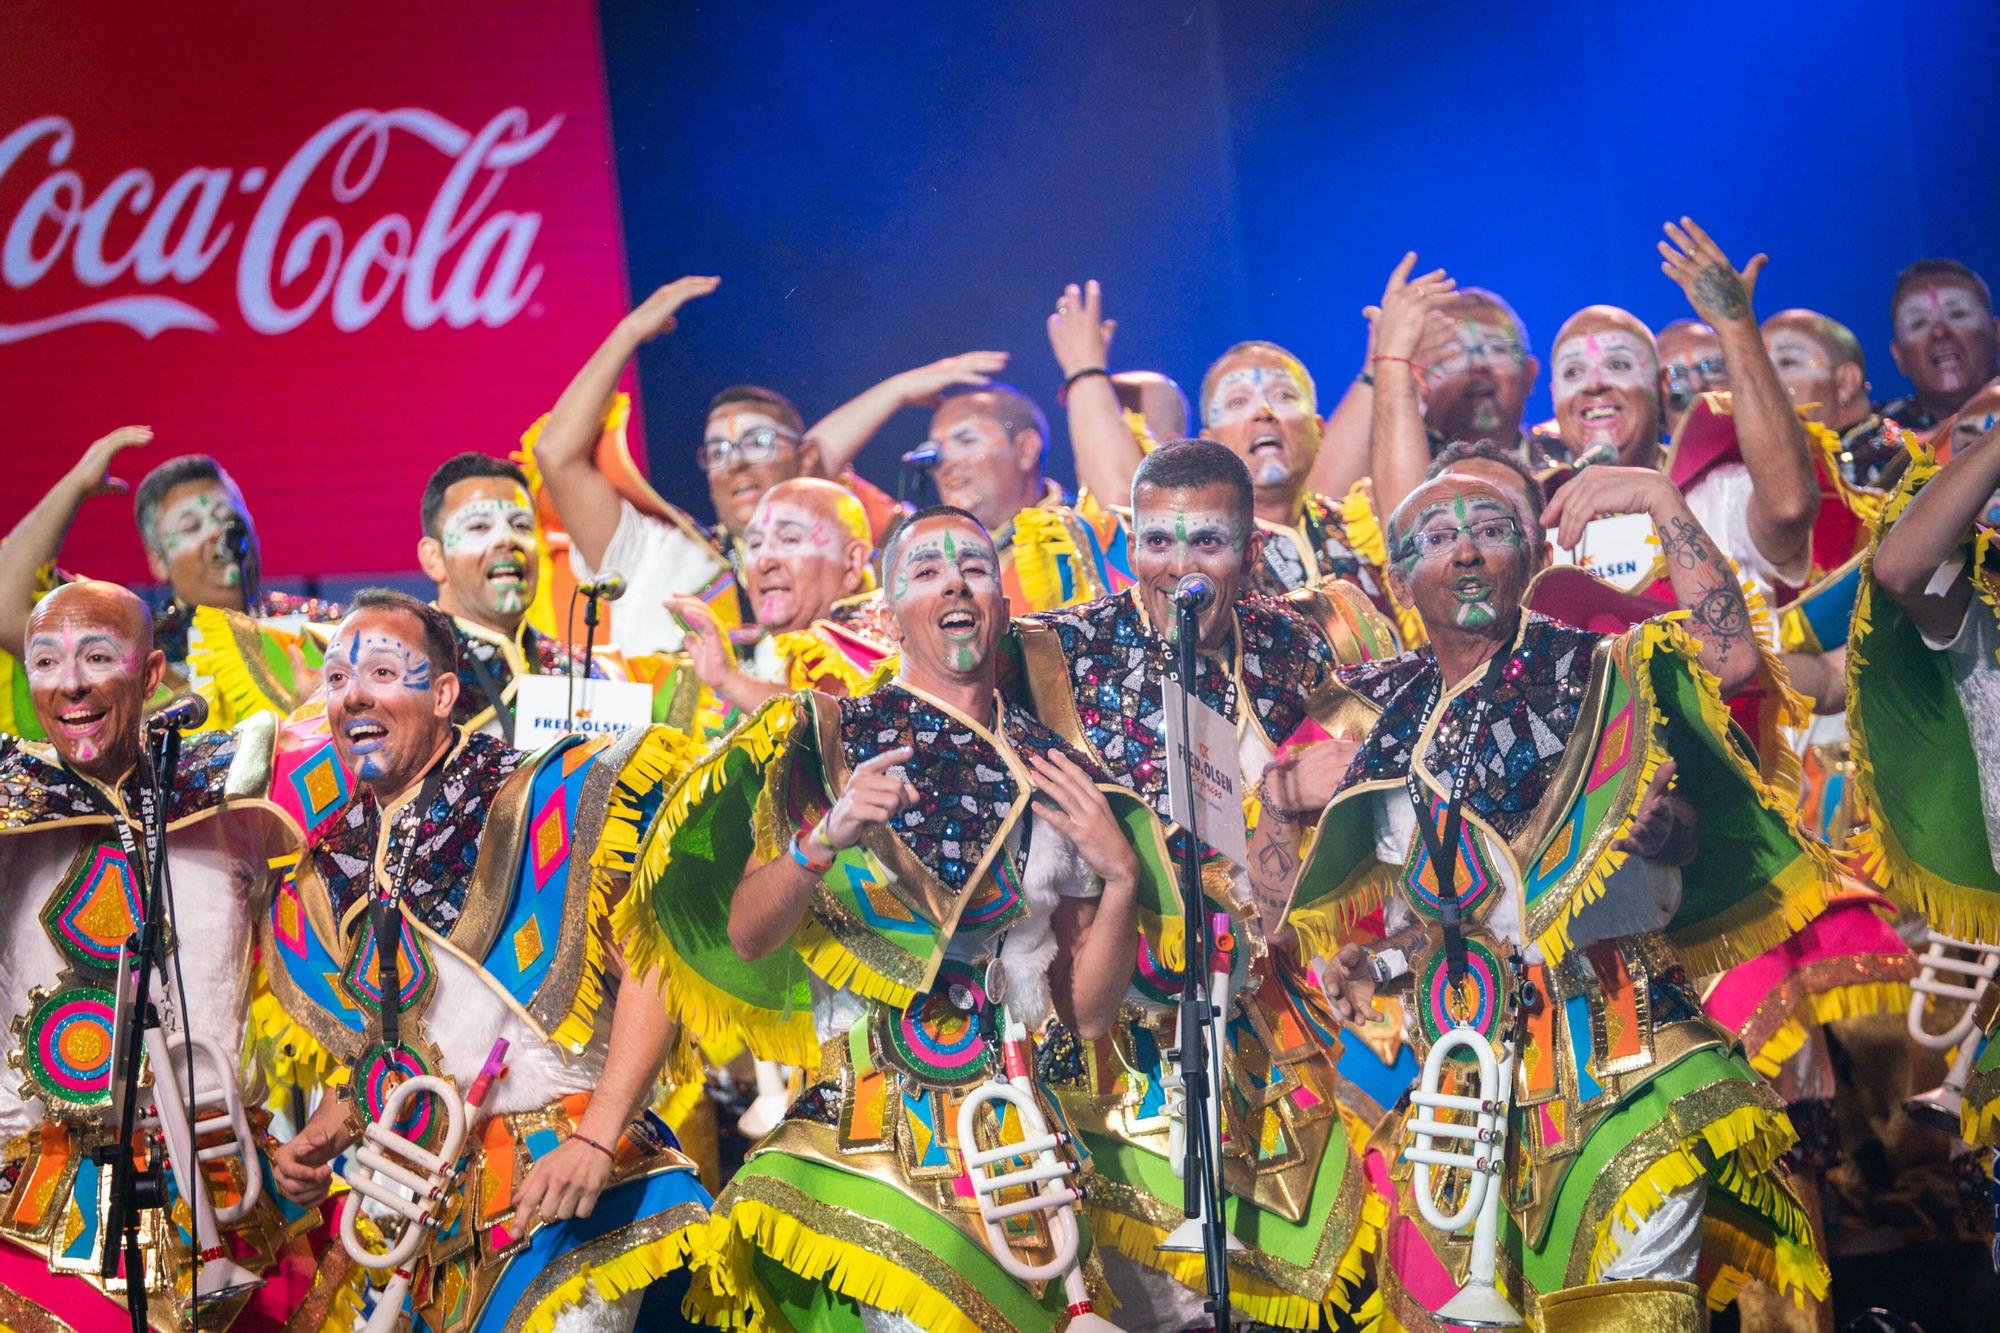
(1848, 380)
(155, 672)
(156, 564)
(1253, 550)
(444, 694)
(1399, 584)
(810, 462)
(1896, 355)
(430, 559)
(854, 568)
(1533, 368)
(1027, 451)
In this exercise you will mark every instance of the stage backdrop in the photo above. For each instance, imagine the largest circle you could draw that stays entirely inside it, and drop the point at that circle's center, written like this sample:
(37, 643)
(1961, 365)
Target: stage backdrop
(329, 245)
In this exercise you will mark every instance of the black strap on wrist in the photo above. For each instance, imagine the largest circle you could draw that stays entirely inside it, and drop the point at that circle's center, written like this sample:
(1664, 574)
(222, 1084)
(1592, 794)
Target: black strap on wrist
(1062, 394)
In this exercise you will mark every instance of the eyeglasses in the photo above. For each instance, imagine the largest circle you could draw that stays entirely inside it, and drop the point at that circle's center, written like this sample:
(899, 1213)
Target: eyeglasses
(759, 446)
(1711, 372)
(1493, 534)
(1457, 358)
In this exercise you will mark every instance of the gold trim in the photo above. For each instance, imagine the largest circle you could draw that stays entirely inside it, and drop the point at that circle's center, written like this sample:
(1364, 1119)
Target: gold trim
(18, 1314)
(596, 1252)
(494, 877)
(556, 994)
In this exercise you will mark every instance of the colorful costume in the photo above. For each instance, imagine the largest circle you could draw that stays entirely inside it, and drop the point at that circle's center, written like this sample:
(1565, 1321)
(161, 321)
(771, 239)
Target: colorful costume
(1927, 764)
(493, 878)
(855, 1205)
(1296, 1196)
(75, 896)
(490, 667)
(829, 655)
(1626, 1100)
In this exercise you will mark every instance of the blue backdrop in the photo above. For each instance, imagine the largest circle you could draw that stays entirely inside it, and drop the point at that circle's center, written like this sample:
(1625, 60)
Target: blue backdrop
(879, 188)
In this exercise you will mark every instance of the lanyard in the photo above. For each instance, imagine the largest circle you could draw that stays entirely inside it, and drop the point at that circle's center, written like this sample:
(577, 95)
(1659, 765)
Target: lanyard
(1444, 850)
(385, 914)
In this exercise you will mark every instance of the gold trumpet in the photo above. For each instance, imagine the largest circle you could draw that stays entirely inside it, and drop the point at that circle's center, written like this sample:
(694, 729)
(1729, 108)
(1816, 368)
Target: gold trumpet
(1939, 1108)
(410, 1181)
(990, 1174)
(1479, 1303)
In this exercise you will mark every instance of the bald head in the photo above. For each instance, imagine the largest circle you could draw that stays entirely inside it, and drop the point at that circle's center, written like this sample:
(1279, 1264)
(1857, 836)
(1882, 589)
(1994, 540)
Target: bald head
(1605, 381)
(91, 666)
(805, 547)
(1821, 365)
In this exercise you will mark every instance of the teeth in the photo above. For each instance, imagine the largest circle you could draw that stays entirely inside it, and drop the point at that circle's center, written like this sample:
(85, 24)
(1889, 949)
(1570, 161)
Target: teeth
(1599, 413)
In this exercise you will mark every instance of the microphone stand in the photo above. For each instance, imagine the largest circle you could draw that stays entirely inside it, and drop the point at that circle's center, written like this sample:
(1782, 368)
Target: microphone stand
(914, 475)
(591, 596)
(135, 1190)
(1202, 1171)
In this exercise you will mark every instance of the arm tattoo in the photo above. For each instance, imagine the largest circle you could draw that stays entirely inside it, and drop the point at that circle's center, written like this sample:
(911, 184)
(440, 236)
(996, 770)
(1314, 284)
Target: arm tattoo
(1683, 543)
(1723, 618)
(1718, 287)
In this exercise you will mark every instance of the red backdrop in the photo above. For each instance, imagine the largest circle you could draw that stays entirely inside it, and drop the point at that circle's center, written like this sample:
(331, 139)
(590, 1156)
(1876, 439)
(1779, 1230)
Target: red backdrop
(330, 246)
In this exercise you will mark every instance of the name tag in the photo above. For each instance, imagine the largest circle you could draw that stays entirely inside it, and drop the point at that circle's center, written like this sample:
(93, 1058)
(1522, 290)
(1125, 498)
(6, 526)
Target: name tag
(544, 709)
(1216, 797)
(1621, 550)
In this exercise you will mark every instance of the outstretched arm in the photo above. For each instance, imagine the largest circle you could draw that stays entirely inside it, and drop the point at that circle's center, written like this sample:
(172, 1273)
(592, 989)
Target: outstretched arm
(566, 452)
(1768, 431)
(1930, 530)
(1705, 584)
(1398, 450)
(1106, 453)
(842, 433)
(38, 537)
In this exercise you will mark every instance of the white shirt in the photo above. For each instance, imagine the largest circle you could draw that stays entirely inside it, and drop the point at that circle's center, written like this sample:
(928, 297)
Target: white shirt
(1721, 501)
(659, 560)
(219, 877)
(1975, 672)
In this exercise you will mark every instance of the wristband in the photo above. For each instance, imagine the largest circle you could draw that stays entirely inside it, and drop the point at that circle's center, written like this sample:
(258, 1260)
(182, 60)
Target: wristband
(585, 1138)
(817, 867)
(1423, 380)
(1365, 378)
(1062, 394)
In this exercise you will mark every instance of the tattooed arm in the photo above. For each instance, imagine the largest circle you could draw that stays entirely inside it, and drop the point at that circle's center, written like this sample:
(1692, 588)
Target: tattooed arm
(1705, 584)
(1768, 432)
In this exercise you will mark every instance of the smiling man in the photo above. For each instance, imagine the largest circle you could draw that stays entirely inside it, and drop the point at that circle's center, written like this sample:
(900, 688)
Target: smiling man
(950, 872)
(1551, 821)
(73, 881)
(482, 548)
(806, 551)
(1944, 339)
(1096, 673)
(473, 858)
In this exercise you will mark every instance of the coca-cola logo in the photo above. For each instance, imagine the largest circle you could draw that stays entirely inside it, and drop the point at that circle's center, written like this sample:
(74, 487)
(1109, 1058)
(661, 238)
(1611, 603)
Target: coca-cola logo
(462, 262)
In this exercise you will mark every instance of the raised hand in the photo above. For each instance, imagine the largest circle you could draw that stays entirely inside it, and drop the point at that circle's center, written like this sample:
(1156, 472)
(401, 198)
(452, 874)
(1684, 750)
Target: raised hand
(1600, 492)
(923, 386)
(1079, 334)
(707, 646)
(93, 470)
(1071, 803)
(1406, 309)
(1664, 827)
(874, 796)
(1718, 293)
(656, 314)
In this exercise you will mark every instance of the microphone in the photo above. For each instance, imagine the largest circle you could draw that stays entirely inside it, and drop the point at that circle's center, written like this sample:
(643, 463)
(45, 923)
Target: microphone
(236, 538)
(923, 458)
(1194, 594)
(606, 587)
(190, 710)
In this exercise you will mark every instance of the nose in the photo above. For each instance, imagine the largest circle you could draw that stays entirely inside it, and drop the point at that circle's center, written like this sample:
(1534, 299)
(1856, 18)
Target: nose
(1465, 551)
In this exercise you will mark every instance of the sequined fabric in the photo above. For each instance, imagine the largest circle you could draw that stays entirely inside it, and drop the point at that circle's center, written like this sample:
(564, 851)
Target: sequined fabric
(34, 790)
(446, 834)
(964, 787)
(1535, 707)
(546, 656)
(1116, 665)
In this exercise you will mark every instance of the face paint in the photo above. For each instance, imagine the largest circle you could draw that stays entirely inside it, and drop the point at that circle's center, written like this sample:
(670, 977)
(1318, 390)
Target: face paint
(87, 681)
(489, 542)
(1241, 392)
(1944, 338)
(1616, 359)
(1464, 556)
(191, 536)
(379, 699)
(946, 598)
(795, 564)
(1181, 533)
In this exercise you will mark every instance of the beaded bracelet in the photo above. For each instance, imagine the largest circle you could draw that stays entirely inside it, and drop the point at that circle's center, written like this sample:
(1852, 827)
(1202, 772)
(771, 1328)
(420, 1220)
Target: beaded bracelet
(585, 1138)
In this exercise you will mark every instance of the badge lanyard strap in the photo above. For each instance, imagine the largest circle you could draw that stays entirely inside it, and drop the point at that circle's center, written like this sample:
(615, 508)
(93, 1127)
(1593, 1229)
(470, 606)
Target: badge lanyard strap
(385, 917)
(1444, 850)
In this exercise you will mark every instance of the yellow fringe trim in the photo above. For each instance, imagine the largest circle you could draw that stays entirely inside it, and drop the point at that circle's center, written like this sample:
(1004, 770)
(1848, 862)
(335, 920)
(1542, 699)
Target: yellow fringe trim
(345, 1311)
(542, 611)
(1979, 1122)
(811, 659)
(1256, 1300)
(1322, 930)
(630, 1271)
(1786, 1042)
(706, 1011)
(1041, 539)
(1366, 539)
(1859, 1001)
(286, 1051)
(1865, 505)
(838, 967)
(1743, 1144)
(726, 1300)
(1778, 761)
(229, 683)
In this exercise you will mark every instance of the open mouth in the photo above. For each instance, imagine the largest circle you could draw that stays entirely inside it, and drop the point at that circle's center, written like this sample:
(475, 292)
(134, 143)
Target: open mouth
(1947, 356)
(1267, 442)
(1472, 590)
(510, 572)
(958, 624)
(365, 735)
(79, 721)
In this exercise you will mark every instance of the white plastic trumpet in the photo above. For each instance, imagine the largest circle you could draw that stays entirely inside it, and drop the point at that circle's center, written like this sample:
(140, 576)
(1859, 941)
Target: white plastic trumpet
(409, 1180)
(218, 1110)
(1940, 1106)
(1479, 1303)
(990, 1173)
